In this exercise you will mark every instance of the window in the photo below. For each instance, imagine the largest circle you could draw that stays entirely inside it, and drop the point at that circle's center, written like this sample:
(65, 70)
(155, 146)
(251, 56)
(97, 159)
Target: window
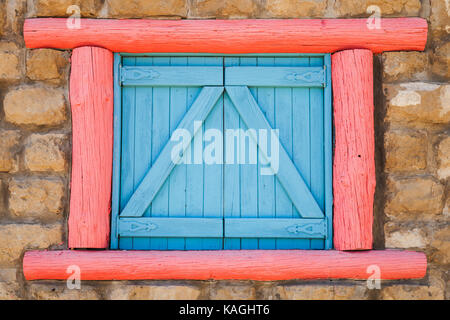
(93, 91)
(223, 153)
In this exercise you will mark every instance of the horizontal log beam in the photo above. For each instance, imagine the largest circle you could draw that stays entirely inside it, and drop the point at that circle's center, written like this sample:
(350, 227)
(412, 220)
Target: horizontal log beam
(264, 265)
(229, 36)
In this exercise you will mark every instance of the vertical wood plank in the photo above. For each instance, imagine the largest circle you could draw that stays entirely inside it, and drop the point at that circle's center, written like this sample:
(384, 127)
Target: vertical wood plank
(354, 165)
(177, 184)
(232, 187)
(266, 183)
(115, 196)
(301, 140)
(317, 146)
(249, 173)
(127, 161)
(213, 173)
(213, 183)
(194, 172)
(283, 122)
(142, 140)
(160, 134)
(328, 132)
(91, 98)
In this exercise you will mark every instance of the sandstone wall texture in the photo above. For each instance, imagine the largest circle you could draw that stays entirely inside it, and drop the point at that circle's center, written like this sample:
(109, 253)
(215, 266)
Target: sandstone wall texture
(412, 209)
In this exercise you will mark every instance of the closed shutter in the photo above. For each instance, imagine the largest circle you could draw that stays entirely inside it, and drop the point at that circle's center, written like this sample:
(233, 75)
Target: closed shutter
(225, 205)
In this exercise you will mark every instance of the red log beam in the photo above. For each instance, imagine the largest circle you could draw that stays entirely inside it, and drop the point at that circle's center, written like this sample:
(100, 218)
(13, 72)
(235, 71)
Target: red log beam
(354, 164)
(229, 36)
(264, 265)
(91, 99)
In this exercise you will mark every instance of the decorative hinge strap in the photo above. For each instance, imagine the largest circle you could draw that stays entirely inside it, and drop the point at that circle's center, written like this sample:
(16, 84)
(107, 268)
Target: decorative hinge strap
(142, 226)
(311, 76)
(312, 228)
(137, 73)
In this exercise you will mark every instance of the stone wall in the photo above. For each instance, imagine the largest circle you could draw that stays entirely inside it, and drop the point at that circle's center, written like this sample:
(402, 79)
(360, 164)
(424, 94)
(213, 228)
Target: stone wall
(412, 209)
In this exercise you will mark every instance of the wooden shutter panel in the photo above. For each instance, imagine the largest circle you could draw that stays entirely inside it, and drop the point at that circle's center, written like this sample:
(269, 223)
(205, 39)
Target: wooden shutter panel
(225, 206)
(293, 209)
(158, 210)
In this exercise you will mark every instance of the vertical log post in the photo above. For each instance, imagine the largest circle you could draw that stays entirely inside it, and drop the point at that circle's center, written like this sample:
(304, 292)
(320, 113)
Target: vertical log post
(354, 164)
(91, 98)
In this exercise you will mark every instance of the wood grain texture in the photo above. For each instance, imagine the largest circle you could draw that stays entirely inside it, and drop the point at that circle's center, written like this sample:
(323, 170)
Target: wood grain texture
(275, 228)
(275, 76)
(354, 164)
(163, 165)
(265, 265)
(229, 36)
(171, 227)
(287, 174)
(171, 76)
(300, 120)
(91, 98)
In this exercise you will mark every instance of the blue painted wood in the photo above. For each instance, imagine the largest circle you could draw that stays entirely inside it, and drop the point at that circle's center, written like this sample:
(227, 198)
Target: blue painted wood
(171, 75)
(177, 179)
(194, 172)
(232, 182)
(225, 191)
(290, 228)
(287, 174)
(115, 196)
(283, 122)
(328, 147)
(213, 175)
(317, 147)
(175, 201)
(275, 76)
(270, 61)
(213, 172)
(127, 155)
(301, 141)
(143, 61)
(266, 183)
(142, 140)
(248, 172)
(160, 136)
(157, 175)
(171, 227)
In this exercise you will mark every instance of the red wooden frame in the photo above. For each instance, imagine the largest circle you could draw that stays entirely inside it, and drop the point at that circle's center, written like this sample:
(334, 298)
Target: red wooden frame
(264, 265)
(354, 174)
(229, 36)
(354, 154)
(92, 105)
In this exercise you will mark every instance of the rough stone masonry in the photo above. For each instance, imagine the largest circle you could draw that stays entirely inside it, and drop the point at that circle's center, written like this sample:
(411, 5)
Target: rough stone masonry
(412, 114)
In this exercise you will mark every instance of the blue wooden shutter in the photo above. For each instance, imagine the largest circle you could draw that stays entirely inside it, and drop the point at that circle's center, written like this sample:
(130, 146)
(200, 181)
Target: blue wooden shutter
(164, 206)
(160, 94)
(293, 209)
